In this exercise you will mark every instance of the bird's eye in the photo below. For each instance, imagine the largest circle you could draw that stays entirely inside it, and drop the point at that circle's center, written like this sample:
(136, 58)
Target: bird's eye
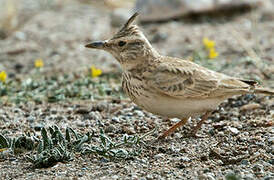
(121, 43)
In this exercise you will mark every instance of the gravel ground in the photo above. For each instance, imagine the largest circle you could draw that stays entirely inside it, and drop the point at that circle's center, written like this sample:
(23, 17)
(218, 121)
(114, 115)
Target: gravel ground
(237, 139)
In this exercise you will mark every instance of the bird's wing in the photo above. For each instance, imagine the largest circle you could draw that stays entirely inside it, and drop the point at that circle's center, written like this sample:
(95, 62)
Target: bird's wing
(179, 78)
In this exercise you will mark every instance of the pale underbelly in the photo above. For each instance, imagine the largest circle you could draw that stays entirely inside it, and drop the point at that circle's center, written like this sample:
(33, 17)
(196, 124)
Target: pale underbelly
(178, 108)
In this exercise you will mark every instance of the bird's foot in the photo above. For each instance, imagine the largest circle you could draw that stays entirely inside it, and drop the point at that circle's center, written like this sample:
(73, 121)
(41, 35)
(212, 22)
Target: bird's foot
(173, 128)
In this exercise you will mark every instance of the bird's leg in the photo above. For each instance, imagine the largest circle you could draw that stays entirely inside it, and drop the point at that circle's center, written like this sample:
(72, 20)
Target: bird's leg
(173, 128)
(198, 126)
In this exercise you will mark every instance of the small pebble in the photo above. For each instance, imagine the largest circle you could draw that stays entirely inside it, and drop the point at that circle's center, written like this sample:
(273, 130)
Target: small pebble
(249, 107)
(80, 123)
(138, 113)
(149, 177)
(270, 140)
(235, 113)
(95, 115)
(244, 162)
(53, 111)
(110, 128)
(207, 176)
(31, 119)
(82, 111)
(258, 168)
(159, 156)
(129, 114)
(115, 177)
(115, 120)
(234, 119)
(221, 133)
(101, 106)
(185, 159)
(233, 130)
(129, 130)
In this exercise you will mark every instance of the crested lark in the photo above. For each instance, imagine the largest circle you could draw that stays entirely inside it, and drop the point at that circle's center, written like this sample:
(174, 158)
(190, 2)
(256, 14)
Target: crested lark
(168, 86)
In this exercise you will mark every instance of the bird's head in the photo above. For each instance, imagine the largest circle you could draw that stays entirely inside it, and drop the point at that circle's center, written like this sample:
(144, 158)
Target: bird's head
(129, 45)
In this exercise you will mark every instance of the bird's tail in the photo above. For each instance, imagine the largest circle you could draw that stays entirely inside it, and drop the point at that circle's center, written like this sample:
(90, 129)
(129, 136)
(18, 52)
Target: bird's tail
(259, 90)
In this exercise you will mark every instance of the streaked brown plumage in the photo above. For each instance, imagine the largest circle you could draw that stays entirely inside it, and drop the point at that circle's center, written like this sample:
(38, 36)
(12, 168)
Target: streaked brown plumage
(168, 86)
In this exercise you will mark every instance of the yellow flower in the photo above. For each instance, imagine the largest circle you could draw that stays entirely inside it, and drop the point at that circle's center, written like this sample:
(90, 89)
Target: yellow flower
(3, 76)
(212, 53)
(209, 44)
(95, 72)
(38, 63)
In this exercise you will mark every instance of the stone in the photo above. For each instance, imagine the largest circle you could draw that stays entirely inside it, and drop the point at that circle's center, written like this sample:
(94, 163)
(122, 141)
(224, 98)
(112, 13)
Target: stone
(82, 111)
(160, 10)
(233, 130)
(129, 130)
(115, 177)
(258, 168)
(101, 106)
(149, 177)
(80, 123)
(139, 113)
(185, 159)
(110, 128)
(31, 119)
(159, 156)
(249, 107)
(207, 176)
(244, 162)
(115, 120)
(270, 140)
(95, 115)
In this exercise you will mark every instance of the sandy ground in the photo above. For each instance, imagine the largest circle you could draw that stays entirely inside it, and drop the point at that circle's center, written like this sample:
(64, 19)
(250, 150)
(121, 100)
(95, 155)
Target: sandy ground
(236, 142)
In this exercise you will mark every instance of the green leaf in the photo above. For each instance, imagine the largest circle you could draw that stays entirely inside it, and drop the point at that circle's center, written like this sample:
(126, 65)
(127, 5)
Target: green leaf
(40, 147)
(3, 142)
(45, 138)
(74, 133)
(102, 137)
(84, 139)
(51, 131)
(68, 137)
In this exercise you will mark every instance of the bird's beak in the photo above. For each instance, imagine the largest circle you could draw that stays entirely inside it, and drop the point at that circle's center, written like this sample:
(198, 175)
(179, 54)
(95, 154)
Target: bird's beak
(96, 45)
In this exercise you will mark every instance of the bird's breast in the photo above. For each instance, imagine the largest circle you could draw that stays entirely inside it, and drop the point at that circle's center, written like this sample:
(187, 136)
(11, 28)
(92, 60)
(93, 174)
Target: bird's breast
(134, 87)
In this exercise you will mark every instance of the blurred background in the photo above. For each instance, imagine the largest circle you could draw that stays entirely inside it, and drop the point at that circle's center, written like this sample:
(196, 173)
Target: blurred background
(48, 77)
(56, 31)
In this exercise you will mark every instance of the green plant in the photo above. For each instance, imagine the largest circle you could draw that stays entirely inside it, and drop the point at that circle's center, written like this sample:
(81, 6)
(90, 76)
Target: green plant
(17, 145)
(115, 150)
(57, 147)
(53, 146)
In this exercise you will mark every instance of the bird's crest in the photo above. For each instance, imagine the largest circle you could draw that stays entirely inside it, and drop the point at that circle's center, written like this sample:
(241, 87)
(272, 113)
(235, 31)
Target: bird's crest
(130, 20)
(128, 29)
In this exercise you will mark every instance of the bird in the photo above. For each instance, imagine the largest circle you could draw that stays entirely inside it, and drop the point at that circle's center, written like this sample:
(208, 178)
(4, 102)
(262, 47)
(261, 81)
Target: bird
(168, 86)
